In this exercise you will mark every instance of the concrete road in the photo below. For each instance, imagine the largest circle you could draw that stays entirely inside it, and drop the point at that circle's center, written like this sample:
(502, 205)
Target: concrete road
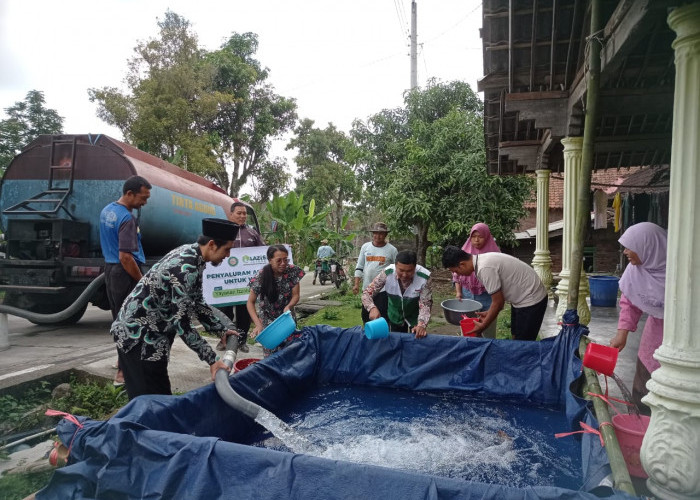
(37, 351)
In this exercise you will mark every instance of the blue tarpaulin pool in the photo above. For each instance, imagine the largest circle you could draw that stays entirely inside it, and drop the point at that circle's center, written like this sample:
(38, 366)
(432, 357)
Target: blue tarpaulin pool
(188, 446)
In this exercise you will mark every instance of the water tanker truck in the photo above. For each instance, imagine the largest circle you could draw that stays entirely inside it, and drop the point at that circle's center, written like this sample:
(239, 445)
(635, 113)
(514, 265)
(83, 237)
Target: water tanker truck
(51, 196)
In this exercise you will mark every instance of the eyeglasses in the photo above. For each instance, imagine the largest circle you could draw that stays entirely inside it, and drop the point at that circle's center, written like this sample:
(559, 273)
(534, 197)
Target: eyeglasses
(280, 261)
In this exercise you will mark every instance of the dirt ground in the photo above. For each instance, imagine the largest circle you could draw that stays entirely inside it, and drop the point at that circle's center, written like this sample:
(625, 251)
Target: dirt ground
(442, 289)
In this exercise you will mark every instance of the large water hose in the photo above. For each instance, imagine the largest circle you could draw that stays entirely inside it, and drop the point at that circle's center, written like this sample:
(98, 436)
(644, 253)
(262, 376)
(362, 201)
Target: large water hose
(223, 387)
(76, 306)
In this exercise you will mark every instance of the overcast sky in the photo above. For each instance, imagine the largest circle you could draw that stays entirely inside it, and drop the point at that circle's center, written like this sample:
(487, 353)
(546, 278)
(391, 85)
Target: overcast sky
(339, 60)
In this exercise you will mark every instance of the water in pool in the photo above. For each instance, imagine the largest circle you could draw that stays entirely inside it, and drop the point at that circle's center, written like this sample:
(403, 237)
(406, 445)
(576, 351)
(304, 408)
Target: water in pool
(445, 434)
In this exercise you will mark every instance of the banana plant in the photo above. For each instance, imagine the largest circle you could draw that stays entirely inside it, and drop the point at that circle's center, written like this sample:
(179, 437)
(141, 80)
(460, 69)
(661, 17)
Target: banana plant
(295, 225)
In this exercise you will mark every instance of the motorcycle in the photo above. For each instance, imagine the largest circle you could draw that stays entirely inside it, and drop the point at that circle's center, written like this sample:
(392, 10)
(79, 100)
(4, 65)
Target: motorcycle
(330, 270)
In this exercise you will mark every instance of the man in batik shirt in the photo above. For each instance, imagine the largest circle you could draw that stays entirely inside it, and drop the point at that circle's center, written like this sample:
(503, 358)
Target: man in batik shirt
(161, 306)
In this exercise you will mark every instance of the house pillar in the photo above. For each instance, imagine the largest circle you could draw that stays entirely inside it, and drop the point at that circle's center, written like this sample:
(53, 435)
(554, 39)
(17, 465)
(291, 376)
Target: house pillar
(542, 261)
(573, 147)
(671, 445)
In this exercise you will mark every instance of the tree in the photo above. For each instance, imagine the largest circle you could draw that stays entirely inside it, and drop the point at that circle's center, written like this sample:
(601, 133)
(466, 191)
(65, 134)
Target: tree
(246, 123)
(326, 174)
(25, 122)
(207, 112)
(429, 163)
(271, 179)
(170, 99)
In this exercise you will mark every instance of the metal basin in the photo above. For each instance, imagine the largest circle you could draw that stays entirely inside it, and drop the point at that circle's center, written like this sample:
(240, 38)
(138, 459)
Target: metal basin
(454, 308)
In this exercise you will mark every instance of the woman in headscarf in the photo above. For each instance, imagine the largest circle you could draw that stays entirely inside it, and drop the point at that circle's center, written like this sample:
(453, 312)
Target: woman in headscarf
(469, 287)
(643, 287)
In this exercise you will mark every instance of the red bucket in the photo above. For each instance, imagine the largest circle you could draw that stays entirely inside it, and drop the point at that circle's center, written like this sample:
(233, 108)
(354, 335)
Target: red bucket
(630, 430)
(467, 325)
(244, 363)
(601, 358)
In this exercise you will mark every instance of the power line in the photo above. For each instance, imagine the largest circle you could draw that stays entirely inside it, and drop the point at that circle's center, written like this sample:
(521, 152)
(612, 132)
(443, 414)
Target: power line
(454, 25)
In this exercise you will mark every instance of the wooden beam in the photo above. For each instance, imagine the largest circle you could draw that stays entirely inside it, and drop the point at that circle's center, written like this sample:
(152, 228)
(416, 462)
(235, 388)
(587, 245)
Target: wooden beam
(547, 109)
(571, 43)
(533, 40)
(630, 22)
(633, 143)
(552, 49)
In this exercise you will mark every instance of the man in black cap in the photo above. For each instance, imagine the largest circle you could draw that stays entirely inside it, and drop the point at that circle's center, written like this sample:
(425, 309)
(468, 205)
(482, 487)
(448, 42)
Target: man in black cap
(160, 307)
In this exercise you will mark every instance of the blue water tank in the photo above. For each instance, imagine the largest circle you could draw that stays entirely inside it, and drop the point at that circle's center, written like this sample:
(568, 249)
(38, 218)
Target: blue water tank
(603, 290)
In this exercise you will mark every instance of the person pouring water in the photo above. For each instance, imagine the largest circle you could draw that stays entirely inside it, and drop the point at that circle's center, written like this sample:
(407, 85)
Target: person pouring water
(506, 279)
(276, 290)
(469, 287)
(643, 288)
(409, 295)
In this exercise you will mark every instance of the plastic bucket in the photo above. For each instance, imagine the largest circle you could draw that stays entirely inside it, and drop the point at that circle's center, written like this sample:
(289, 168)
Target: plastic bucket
(244, 363)
(467, 325)
(603, 290)
(601, 358)
(377, 329)
(630, 430)
(275, 333)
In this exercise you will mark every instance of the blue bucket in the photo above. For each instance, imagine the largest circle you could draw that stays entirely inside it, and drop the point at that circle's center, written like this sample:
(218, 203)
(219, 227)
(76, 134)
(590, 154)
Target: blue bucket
(275, 333)
(603, 290)
(377, 329)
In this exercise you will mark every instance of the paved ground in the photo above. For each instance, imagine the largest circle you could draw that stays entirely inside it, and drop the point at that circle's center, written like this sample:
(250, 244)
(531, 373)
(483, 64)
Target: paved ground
(40, 351)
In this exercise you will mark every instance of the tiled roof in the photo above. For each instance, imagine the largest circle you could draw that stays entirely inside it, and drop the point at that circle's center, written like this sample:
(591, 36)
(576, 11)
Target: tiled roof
(601, 179)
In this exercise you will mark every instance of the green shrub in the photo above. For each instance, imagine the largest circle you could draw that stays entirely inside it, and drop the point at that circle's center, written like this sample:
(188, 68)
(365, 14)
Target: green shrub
(96, 400)
(330, 314)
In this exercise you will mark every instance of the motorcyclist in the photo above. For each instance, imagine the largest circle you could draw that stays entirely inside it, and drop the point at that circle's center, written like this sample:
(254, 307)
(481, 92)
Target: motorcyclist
(324, 252)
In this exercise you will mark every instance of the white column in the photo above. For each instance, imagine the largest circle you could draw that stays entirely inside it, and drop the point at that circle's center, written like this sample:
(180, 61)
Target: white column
(4, 333)
(542, 261)
(672, 443)
(572, 177)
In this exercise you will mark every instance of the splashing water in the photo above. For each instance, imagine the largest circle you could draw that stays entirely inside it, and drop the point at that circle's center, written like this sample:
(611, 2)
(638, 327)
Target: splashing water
(288, 436)
(443, 434)
(632, 408)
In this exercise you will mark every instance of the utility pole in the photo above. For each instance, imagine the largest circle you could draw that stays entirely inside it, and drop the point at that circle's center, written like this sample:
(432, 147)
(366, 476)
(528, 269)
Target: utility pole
(414, 44)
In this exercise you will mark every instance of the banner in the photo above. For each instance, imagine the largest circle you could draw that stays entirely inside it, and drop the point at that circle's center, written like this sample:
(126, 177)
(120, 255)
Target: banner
(227, 283)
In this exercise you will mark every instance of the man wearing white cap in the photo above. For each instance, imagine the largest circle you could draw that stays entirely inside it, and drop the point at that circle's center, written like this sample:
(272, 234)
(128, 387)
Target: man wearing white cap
(374, 257)
(160, 307)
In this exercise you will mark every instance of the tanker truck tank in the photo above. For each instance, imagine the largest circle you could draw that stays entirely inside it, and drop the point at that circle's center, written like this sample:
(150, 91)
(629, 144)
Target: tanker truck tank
(51, 196)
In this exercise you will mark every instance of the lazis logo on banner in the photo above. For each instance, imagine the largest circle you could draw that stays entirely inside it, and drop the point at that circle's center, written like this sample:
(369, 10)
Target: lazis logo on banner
(228, 283)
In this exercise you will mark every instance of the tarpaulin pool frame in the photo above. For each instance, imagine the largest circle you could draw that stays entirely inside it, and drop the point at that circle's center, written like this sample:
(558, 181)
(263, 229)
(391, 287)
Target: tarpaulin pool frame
(188, 447)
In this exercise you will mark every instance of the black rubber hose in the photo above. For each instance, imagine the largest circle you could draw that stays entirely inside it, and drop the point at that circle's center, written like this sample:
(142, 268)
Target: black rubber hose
(79, 303)
(223, 387)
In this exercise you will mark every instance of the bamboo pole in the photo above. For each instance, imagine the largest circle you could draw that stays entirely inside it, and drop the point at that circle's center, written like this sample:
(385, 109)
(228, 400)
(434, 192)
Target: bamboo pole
(583, 218)
(620, 474)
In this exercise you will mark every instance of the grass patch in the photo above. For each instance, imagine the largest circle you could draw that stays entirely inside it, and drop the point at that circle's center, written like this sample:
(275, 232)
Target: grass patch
(95, 399)
(19, 486)
(18, 414)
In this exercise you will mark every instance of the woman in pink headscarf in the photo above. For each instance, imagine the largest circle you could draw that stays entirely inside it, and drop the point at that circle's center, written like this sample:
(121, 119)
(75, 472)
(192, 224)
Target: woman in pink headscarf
(469, 287)
(643, 287)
